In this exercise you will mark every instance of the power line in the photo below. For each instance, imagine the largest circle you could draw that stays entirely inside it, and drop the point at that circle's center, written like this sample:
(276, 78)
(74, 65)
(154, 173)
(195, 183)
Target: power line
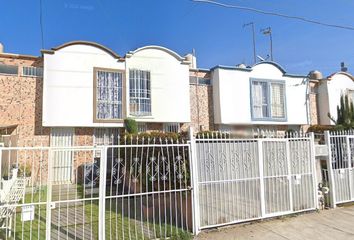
(274, 14)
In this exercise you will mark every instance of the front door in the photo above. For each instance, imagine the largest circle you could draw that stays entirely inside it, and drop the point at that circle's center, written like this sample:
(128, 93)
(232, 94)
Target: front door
(62, 158)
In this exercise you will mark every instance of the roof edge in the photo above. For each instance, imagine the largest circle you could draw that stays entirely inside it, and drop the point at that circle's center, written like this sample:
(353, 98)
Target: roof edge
(80, 42)
(341, 73)
(167, 50)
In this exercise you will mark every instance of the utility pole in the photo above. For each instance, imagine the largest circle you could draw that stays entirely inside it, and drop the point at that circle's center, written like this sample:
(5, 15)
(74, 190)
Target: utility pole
(254, 40)
(268, 31)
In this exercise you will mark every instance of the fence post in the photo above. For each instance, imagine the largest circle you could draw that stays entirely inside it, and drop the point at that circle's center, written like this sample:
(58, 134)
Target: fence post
(49, 195)
(332, 187)
(102, 194)
(194, 183)
(261, 175)
(314, 172)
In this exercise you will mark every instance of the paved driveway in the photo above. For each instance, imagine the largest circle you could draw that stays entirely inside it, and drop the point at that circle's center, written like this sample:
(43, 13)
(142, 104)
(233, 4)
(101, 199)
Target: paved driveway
(331, 224)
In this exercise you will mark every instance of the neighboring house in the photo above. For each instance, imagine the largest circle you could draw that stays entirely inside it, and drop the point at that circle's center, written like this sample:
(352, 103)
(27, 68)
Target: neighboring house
(262, 97)
(330, 91)
(21, 99)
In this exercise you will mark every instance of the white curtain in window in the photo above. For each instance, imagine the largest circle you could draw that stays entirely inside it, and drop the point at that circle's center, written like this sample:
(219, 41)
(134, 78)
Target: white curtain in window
(277, 100)
(109, 95)
(260, 99)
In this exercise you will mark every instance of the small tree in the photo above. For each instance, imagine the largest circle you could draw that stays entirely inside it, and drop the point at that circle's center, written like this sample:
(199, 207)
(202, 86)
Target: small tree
(131, 126)
(345, 113)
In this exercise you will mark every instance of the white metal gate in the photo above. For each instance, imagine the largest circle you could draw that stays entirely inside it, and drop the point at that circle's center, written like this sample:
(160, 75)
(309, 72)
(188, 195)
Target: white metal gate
(139, 189)
(340, 166)
(63, 159)
(246, 179)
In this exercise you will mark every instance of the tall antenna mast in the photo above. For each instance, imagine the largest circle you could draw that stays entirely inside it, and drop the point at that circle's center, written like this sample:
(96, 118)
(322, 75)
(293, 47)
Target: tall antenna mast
(268, 31)
(254, 40)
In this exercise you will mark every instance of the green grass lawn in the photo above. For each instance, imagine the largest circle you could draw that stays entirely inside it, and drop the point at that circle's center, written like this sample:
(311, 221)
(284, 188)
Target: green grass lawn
(116, 225)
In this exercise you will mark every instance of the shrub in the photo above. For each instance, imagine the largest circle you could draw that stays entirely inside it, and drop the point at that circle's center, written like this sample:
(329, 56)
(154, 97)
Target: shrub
(131, 126)
(320, 128)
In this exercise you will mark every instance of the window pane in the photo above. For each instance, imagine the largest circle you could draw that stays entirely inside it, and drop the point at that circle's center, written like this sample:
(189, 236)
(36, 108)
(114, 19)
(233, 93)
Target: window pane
(8, 69)
(260, 99)
(108, 95)
(139, 92)
(277, 101)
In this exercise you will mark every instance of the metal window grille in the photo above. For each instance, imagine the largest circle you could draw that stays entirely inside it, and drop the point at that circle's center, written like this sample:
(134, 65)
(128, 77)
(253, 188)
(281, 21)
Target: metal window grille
(142, 127)
(140, 92)
(8, 69)
(171, 127)
(32, 71)
(109, 95)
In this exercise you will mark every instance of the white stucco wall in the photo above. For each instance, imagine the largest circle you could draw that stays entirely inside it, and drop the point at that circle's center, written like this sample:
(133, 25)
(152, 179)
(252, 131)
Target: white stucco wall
(332, 90)
(68, 85)
(233, 95)
(170, 100)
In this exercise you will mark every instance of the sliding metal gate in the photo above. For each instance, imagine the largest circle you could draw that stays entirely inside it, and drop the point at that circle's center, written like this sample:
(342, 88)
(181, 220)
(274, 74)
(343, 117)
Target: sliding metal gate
(246, 179)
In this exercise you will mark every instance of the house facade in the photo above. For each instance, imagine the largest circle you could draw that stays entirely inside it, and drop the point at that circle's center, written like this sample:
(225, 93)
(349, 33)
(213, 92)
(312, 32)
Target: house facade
(262, 97)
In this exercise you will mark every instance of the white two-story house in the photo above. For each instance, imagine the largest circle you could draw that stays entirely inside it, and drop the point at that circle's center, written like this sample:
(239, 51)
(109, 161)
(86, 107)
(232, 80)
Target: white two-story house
(262, 97)
(330, 90)
(87, 85)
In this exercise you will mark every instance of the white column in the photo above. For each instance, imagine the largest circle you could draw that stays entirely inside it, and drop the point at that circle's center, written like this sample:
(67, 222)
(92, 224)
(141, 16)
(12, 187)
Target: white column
(194, 182)
(332, 187)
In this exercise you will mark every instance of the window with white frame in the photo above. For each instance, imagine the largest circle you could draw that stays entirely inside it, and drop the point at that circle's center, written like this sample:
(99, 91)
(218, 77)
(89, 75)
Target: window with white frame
(105, 136)
(171, 127)
(109, 85)
(32, 71)
(142, 127)
(268, 100)
(139, 92)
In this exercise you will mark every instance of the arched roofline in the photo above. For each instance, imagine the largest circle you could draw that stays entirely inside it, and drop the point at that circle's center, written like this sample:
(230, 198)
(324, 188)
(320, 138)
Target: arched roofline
(250, 69)
(271, 63)
(88, 43)
(169, 51)
(341, 73)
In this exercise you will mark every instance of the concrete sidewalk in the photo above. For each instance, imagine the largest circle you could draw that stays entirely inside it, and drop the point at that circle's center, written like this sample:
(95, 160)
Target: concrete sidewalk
(334, 224)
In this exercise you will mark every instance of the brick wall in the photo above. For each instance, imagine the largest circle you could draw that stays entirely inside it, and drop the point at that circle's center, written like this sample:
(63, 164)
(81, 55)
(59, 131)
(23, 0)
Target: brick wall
(201, 104)
(21, 102)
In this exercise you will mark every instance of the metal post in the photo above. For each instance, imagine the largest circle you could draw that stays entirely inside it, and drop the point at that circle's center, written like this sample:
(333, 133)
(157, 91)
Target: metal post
(267, 31)
(254, 40)
(49, 195)
(194, 183)
(349, 156)
(314, 173)
(332, 187)
(271, 44)
(261, 177)
(102, 194)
